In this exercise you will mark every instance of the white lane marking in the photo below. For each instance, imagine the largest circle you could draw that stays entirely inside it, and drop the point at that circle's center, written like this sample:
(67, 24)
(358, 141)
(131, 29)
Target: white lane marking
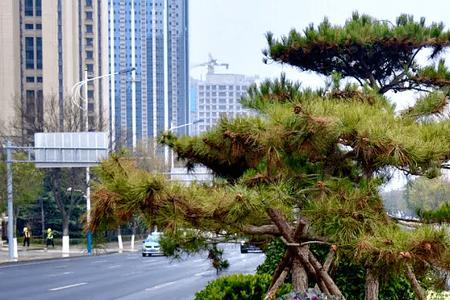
(114, 266)
(59, 274)
(203, 273)
(67, 286)
(158, 286)
(99, 261)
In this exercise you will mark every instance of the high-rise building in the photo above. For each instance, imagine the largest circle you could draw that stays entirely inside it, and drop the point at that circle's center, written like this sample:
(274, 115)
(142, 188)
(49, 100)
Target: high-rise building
(151, 36)
(217, 95)
(46, 45)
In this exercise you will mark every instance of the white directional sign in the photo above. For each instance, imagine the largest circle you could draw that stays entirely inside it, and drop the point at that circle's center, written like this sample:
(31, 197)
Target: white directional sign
(70, 149)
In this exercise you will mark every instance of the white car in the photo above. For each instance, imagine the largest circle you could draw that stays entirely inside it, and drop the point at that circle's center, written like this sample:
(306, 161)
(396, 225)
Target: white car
(150, 246)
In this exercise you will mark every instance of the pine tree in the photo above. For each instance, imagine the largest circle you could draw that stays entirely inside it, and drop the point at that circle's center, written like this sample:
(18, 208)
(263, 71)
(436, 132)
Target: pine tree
(309, 167)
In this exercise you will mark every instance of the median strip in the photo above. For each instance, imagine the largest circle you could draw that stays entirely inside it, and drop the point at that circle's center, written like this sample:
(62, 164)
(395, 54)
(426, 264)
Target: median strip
(68, 286)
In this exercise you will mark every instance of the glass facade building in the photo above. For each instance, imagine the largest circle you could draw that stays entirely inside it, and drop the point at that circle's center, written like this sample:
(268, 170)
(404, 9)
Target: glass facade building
(151, 36)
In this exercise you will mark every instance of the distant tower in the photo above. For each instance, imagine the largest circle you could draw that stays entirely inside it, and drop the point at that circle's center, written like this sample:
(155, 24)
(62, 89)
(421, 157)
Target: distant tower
(152, 36)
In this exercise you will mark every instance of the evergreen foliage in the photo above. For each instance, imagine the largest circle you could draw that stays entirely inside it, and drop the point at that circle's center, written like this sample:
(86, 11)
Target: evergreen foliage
(374, 52)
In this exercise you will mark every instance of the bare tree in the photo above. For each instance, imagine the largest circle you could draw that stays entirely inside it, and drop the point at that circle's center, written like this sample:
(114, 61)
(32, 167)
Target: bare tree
(48, 117)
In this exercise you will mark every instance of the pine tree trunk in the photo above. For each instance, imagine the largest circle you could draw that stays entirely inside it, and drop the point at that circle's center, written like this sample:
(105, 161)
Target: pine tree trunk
(299, 276)
(372, 285)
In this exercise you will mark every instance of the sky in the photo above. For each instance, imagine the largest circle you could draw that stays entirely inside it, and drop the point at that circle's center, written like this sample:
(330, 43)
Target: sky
(233, 31)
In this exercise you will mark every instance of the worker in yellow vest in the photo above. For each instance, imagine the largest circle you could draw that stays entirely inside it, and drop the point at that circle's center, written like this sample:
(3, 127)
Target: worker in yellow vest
(26, 236)
(50, 238)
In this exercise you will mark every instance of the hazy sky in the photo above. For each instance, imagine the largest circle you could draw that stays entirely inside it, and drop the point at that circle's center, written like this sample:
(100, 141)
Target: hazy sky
(233, 30)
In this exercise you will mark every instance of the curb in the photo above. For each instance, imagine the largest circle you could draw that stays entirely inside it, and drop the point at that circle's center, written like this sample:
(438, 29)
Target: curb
(34, 259)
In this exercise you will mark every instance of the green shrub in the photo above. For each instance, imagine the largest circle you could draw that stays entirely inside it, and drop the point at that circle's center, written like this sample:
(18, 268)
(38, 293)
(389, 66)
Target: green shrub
(239, 287)
(236, 287)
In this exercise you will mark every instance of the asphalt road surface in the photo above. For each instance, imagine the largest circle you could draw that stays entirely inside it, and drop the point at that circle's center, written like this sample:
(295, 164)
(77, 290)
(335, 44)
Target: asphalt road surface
(125, 276)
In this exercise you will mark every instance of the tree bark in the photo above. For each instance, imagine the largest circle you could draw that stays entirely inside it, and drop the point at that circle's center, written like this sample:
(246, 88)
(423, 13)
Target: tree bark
(328, 261)
(420, 294)
(299, 276)
(65, 225)
(133, 234)
(263, 229)
(324, 281)
(273, 290)
(56, 180)
(372, 285)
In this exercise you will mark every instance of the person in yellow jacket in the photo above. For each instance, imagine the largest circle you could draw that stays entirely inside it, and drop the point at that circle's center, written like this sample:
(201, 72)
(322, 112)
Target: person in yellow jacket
(50, 238)
(26, 236)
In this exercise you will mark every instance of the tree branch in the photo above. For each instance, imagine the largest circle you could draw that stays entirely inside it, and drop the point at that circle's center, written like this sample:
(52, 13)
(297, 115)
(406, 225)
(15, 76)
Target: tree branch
(286, 260)
(420, 294)
(406, 220)
(273, 290)
(328, 260)
(310, 263)
(263, 229)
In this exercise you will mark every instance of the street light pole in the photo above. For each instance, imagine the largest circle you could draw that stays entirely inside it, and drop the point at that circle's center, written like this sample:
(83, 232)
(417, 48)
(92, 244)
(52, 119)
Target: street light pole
(88, 175)
(75, 93)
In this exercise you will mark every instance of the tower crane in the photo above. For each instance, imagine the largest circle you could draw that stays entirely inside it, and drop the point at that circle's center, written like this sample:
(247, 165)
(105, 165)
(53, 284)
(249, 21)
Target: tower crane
(211, 63)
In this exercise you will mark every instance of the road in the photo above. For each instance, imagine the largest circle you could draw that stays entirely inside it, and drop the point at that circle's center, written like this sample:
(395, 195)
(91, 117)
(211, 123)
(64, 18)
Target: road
(124, 276)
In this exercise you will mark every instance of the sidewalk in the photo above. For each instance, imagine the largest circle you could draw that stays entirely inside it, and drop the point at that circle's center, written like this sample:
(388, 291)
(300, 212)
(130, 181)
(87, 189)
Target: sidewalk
(36, 252)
